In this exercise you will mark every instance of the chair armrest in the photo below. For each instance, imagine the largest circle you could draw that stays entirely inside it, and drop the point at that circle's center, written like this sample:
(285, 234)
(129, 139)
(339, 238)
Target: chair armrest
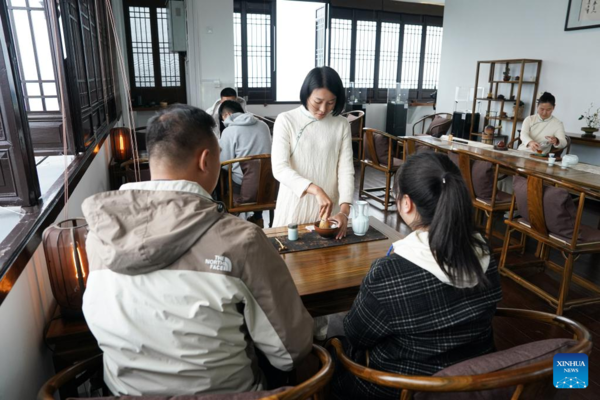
(128, 163)
(516, 141)
(68, 374)
(317, 382)
(242, 159)
(422, 120)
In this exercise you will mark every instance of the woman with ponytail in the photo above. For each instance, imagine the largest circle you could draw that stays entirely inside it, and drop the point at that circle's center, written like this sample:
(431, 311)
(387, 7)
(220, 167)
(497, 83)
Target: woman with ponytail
(429, 303)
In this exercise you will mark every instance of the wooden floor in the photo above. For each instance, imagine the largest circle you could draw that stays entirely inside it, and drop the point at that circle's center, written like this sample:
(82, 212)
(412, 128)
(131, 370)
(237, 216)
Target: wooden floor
(507, 332)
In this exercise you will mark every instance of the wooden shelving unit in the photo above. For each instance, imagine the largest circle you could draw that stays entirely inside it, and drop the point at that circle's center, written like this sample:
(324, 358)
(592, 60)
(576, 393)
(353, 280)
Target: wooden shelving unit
(516, 88)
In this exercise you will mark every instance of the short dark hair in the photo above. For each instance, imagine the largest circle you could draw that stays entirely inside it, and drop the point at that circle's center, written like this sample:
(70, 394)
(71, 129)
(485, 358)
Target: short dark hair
(232, 106)
(176, 132)
(489, 127)
(228, 92)
(438, 190)
(327, 78)
(547, 98)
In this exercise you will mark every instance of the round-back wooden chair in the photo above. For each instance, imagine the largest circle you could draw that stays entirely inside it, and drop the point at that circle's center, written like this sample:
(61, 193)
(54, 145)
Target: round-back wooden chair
(481, 175)
(444, 121)
(259, 188)
(356, 118)
(381, 151)
(84, 370)
(520, 377)
(552, 213)
(270, 122)
(129, 170)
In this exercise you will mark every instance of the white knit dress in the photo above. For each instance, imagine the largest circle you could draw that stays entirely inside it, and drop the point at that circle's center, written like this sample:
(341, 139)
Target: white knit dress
(307, 150)
(536, 129)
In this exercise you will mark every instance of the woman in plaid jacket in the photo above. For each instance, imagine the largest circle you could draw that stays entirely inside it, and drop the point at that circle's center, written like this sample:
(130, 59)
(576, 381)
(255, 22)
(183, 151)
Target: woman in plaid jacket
(430, 303)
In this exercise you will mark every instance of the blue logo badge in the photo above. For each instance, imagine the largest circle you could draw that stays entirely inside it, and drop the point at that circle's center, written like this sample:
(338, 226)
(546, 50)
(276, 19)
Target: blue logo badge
(571, 371)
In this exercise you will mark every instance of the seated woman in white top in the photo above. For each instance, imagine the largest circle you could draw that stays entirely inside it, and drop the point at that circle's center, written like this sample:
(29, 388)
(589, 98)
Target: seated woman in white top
(312, 155)
(543, 131)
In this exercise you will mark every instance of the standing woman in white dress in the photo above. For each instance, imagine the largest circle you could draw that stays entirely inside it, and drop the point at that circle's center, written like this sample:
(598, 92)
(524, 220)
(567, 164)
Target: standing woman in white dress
(312, 155)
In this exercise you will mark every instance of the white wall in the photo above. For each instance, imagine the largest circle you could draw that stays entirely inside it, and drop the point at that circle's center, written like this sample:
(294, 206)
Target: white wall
(489, 30)
(210, 50)
(294, 62)
(25, 363)
(271, 110)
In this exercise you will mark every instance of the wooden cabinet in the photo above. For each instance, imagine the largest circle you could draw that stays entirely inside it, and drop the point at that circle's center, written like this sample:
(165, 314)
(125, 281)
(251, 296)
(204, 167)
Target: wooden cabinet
(507, 80)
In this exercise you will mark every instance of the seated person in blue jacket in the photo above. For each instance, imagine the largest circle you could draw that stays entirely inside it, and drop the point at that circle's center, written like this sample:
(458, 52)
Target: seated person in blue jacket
(243, 136)
(429, 303)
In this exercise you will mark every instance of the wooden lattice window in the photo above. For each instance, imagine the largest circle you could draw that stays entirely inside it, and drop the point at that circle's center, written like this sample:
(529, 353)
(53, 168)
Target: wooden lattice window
(376, 50)
(155, 73)
(254, 50)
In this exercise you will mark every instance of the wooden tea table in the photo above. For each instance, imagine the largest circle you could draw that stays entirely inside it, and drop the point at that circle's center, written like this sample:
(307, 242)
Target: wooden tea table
(328, 279)
(584, 175)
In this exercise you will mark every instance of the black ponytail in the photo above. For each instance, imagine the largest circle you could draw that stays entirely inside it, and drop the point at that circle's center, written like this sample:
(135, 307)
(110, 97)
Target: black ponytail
(547, 98)
(436, 187)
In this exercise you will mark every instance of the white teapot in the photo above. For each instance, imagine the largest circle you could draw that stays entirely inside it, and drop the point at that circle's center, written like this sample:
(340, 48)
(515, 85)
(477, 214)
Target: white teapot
(570, 159)
(360, 217)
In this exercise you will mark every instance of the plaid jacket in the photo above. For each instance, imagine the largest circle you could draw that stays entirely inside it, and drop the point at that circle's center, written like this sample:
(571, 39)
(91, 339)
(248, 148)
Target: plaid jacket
(414, 324)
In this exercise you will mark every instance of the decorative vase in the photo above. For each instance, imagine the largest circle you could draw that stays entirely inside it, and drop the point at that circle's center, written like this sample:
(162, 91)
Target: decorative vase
(589, 132)
(506, 78)
(518, 111)
(487, 138)
(360, 218)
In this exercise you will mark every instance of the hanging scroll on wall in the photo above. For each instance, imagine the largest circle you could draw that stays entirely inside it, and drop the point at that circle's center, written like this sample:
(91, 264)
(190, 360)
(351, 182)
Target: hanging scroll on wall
(583, 14)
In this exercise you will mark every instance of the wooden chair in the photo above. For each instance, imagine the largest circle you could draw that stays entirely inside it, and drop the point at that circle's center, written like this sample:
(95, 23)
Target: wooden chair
(559, 152)
(81, 372)
(270, 122)
(486, 200)
(357, 123)
(412, 146)
(129, 172)
(431, 117)
(381, 151)
(258, 173)
(526, 379)
(535, 224)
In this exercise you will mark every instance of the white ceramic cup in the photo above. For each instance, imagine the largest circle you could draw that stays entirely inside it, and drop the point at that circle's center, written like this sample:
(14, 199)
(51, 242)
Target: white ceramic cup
(570, 159)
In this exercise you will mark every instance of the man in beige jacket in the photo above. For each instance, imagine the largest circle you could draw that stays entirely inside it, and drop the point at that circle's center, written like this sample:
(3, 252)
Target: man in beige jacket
(180, 293)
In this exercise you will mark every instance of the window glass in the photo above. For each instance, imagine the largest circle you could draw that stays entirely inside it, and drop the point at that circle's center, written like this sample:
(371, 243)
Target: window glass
(433, 54)
(34, 53)
(366, 32)
(259, 50)
(237, 47)
(411, 56)
(141, 46)
(388, 55)
(341, 48)
(295, 61)
(169, 62)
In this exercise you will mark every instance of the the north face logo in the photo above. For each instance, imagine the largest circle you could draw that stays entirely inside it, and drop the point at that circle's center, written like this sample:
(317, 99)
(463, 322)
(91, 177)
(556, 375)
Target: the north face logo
(220, 263)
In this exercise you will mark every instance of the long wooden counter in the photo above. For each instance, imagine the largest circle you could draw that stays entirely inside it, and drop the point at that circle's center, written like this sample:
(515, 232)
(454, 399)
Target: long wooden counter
(510, 159)
(577, 139)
